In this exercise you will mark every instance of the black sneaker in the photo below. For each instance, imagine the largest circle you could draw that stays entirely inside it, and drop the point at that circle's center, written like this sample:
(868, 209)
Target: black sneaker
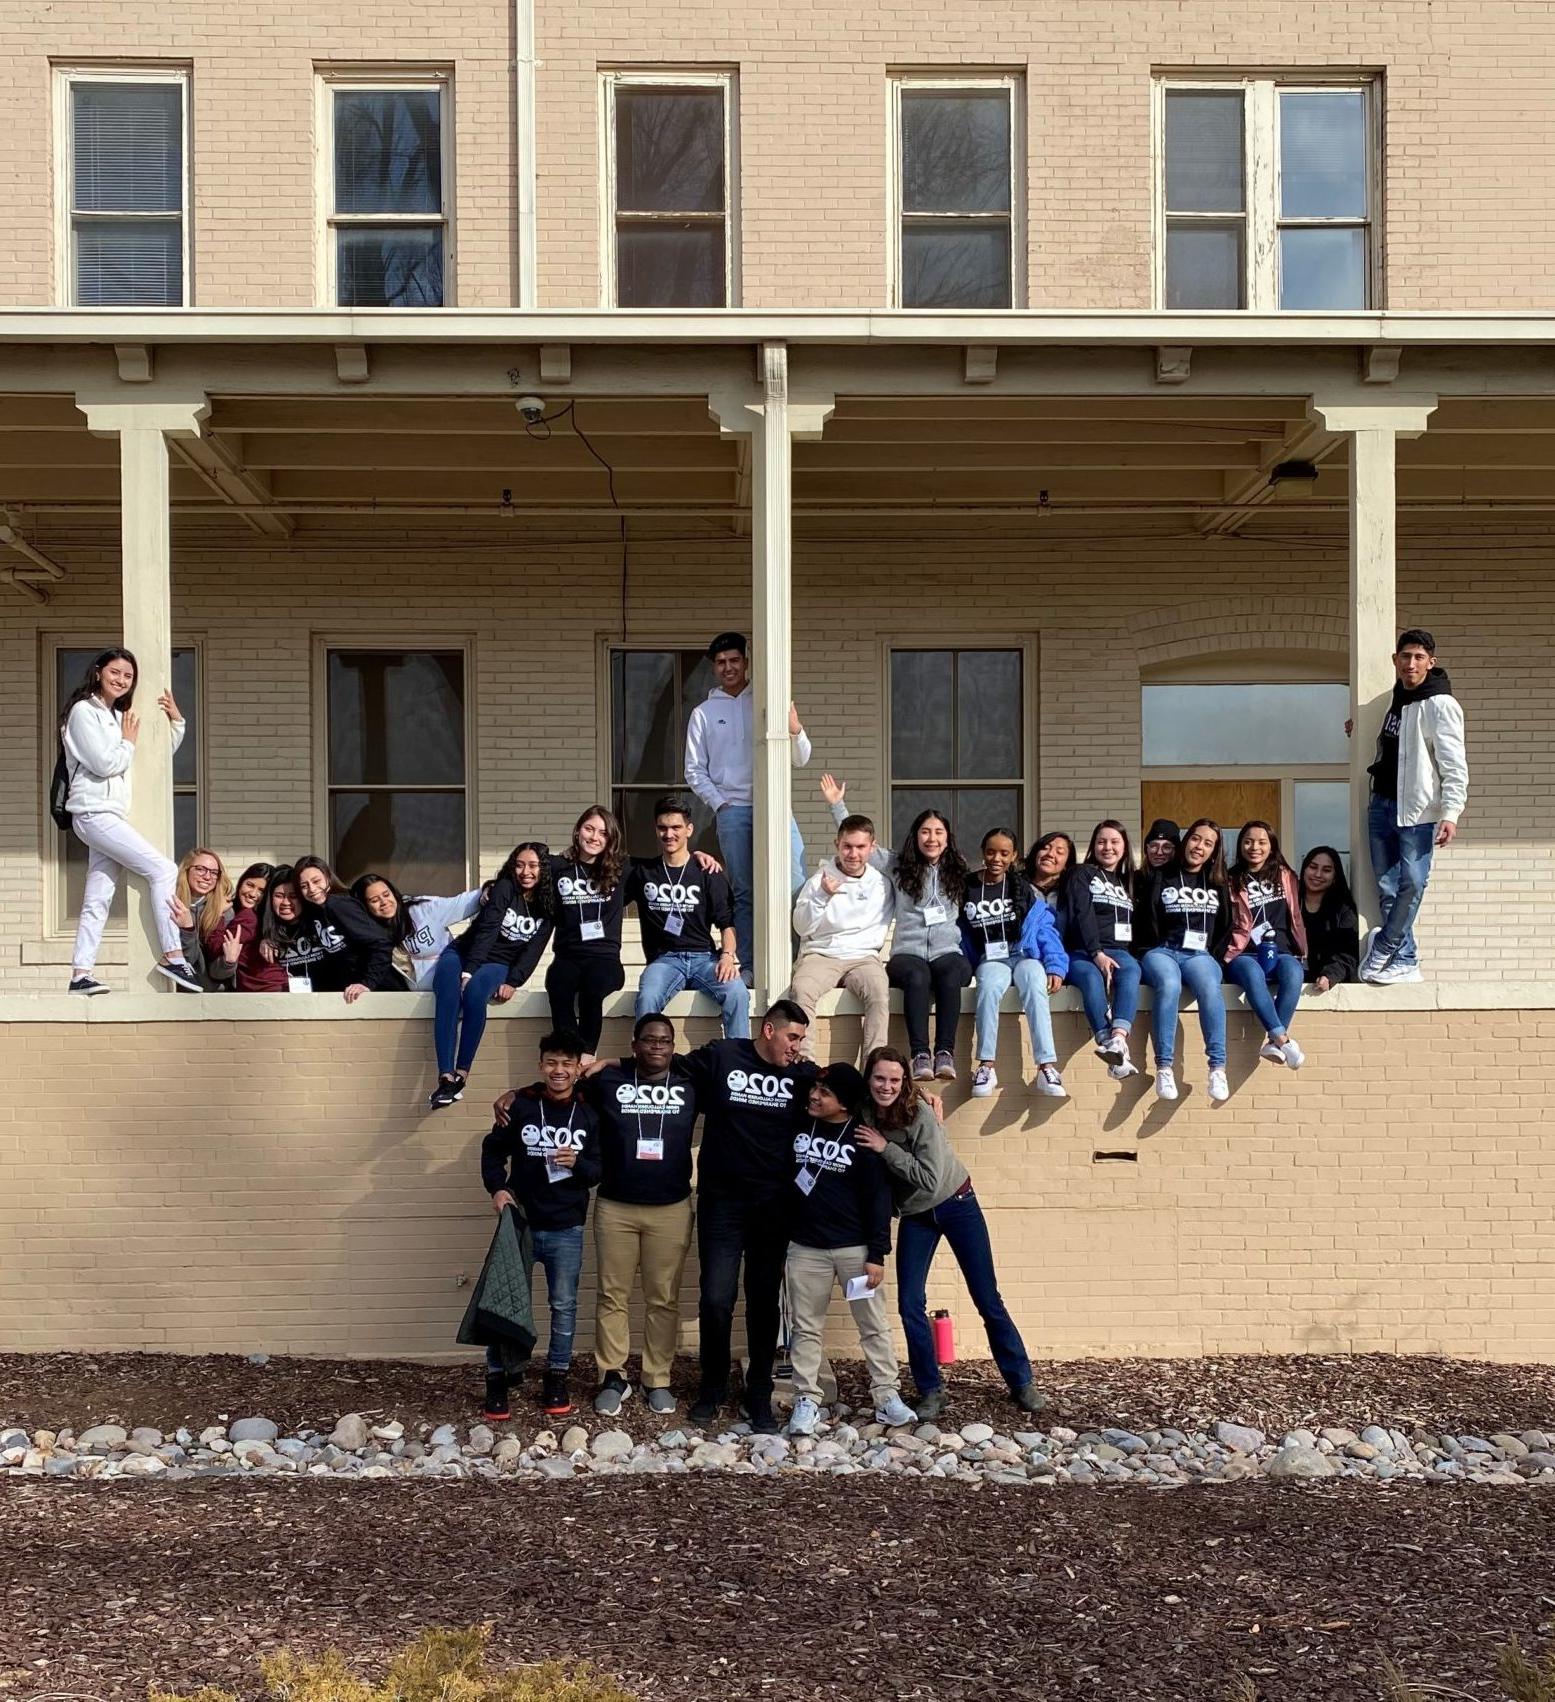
(86, 986)
(182, 977)
(613, 1392)
(763, 1422)
(449, 1091)
(931, 1405)
(554, 1399)
(496, 1405)
(1029, 1398)
(704, 1409)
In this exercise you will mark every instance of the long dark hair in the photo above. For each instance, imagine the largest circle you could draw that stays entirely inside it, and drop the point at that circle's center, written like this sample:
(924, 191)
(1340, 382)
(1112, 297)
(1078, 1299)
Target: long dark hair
(311, 862)
(1040, 846)
(612, 860)
(1213, 870)
(254, 872)
(1339, 893)
(399, 929)
(901, 1111)
(912, 867)
(1125, 871)
(271, 928)
(1276, 861)
(92, 681)
(542, 896)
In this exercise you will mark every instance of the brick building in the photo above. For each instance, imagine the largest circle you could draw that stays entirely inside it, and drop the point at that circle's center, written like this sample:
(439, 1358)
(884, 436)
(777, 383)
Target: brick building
(1123, 375)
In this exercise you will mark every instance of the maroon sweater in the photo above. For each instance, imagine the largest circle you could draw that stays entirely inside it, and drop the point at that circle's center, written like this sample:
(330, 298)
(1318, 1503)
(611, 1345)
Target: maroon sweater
(254, 974)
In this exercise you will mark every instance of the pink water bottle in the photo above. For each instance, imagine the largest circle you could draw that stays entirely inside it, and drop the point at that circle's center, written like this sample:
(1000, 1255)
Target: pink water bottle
(944, 1339)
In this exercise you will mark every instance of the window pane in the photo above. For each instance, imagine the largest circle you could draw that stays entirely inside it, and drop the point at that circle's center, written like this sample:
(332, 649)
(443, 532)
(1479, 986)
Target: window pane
(1232, 725)
(389, 268)
(922, 683)
(668, 265)
(186, 758)
(388, 151)
(955, 151)
(1203, 265)
(647, 746)
(669, 150)
(139, 264)
(186, 823)
(417, 838)
(956, 265)
(973, 810)
(907, 801)
(1323, 267)
(396, 717)
(1204, 152)
(128, 149)
(1322, 818)
(988, 714)
(1323, 156)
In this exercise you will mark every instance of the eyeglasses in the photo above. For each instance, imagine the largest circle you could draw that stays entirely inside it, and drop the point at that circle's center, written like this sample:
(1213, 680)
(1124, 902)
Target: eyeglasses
(204, 869)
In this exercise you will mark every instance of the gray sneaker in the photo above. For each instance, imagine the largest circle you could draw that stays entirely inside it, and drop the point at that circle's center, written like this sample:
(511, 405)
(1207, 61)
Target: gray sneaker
(613, 1392)
(895, 1412)
(661, 1401)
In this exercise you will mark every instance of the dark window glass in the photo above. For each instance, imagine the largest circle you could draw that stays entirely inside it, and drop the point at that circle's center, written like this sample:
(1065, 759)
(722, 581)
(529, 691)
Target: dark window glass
(663, 264)
(416, 837)
(128, 153)
(922, 713)
(957, 717)
(955, 151)
(123, 264)
(396, 717)
(1204, 171)
(954, 264)
(388, 151)
(669, 150)
(652, 694)
(1204, 265)
(397, 267)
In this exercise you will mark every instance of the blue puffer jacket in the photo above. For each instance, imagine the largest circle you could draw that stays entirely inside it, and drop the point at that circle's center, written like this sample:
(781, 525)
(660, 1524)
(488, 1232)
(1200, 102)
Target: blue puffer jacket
(1040, 938)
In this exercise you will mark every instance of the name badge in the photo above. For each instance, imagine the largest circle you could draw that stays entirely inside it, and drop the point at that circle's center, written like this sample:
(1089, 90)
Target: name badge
(996, 951)
(592, 931)
(298, 983)
(1123, 932)
(650, 1151)
(805, 1181)
(934, 914)
(674, 922)
(1195, 939)
(555, 1172)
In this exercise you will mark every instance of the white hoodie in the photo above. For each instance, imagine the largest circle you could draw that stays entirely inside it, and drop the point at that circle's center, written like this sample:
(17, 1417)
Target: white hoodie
(720, 749)
(98, 757)
(852, 922)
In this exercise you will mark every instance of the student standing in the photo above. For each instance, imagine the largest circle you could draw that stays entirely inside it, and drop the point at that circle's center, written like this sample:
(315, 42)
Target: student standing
(996, 906)
(1109, 980)
(646, 1107)
(680, 905)
(1328, 912)
(544, 1159)
(489, 962)
(590, 897)
(933, 1193)
(202, 908)
(839, 1231)
(1190, 923)
(720, 769)
(1268, 942)
(99, 730)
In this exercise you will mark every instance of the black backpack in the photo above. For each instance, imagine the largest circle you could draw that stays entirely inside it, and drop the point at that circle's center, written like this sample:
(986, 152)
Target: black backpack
(59, 791)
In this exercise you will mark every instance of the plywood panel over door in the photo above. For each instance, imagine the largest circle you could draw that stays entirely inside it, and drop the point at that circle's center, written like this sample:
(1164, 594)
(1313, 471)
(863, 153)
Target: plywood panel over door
(1228, 802)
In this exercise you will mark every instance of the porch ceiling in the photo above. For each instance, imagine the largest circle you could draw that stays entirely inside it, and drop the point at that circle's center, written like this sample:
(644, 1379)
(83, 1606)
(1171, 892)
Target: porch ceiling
(281, 464)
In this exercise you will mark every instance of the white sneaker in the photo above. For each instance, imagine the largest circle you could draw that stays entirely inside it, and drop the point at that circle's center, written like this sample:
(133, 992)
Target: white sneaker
(894, 1413)
(1050, 1082)
(1165, 1085)
(985, 1081)
(1393, 973)
(1219, 1087)
(1121, 1072)
(1273, 1051)
(1293, 1054)
(1112, 1048)
(805, 1417)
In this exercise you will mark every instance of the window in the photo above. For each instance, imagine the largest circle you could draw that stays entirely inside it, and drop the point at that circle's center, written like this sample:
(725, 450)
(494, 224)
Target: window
(670, 178)
(388, 191)
(123, 148)
(395, 777)
(70, 665)
(1267, 194)
(1240, 751)
(958, 740)
(652, 694)
(955, 198)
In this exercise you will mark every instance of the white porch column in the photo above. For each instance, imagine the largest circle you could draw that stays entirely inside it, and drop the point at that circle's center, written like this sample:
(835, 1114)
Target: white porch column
(142, 429)
(1374, 430)
(773, 421)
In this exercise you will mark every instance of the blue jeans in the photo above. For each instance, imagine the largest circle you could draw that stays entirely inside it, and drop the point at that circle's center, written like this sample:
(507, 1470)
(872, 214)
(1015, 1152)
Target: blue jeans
(1401, 861)
(1093, 990)
(667, 975)
(959, 1220)
(1166, 972)
(560, 1252)
(1276, 1012)
(994, 977)
(461, 1010)
(736, 831)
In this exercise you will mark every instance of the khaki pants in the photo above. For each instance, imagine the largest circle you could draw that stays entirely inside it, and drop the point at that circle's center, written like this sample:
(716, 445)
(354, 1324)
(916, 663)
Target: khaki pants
(864, 977)
(653, 1240)
(810, 1275)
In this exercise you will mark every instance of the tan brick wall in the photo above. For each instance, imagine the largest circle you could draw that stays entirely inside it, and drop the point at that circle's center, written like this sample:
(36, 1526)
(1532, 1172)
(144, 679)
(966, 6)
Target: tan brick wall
(275, 1186)
(1468, 87)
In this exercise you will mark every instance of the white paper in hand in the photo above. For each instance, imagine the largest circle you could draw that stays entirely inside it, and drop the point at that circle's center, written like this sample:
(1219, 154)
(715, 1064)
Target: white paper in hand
(858, 1288)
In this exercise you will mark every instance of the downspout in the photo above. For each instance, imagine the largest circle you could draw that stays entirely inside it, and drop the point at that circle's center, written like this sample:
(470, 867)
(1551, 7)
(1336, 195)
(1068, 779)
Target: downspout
(524, 143)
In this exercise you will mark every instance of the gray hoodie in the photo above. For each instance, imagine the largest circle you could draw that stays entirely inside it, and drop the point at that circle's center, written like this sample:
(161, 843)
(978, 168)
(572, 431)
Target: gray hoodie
(923, 1165)
(916, 935)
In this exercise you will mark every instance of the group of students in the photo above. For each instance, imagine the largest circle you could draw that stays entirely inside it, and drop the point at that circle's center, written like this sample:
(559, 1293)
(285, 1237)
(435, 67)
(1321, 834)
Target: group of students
(801, 1171)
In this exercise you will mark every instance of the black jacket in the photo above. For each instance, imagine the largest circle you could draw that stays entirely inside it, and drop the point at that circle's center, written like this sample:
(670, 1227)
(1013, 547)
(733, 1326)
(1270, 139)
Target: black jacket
(505, 930)
(356, 947)
(1333, 941)
(842, 1191)
(514, 1156)
(1074, 914)
(579, 901)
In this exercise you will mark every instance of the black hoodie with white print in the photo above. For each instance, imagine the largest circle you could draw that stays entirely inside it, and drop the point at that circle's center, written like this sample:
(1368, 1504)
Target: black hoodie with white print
(588, 922)
(842, 1191)
(508, 930)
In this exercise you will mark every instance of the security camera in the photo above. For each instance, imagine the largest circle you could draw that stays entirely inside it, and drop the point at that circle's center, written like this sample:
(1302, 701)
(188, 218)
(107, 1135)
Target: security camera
(532, 408)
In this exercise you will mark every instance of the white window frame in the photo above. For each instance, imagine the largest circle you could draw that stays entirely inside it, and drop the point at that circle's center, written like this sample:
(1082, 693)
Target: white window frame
(1261, 218)
(1013, 84)
(723, 81)
(66, 79)
(328, 81)
(372, 639)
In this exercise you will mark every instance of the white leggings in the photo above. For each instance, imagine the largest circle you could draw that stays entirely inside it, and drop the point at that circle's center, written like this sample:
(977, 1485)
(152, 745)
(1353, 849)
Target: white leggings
(115, 846)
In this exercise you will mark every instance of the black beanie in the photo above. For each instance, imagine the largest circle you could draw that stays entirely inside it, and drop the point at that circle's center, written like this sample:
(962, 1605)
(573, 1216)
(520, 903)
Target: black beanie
(1164, 829)
(847, 1084)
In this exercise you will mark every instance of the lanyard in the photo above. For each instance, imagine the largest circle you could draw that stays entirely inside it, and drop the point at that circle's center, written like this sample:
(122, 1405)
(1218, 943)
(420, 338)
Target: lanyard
(664, 1110)
(669, 903)
(553, 1128)
(577, 869)
(1004, 921)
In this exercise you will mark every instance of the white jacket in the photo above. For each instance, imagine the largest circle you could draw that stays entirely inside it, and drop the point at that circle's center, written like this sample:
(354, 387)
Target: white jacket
(720, 749)
(852, 922)
(1433, 770)
(431, 922)
(98, 757)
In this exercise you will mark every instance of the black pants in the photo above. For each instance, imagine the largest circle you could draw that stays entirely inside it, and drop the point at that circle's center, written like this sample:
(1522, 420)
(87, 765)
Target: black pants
(727, 1230)
(945, 975)
(578, 988)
